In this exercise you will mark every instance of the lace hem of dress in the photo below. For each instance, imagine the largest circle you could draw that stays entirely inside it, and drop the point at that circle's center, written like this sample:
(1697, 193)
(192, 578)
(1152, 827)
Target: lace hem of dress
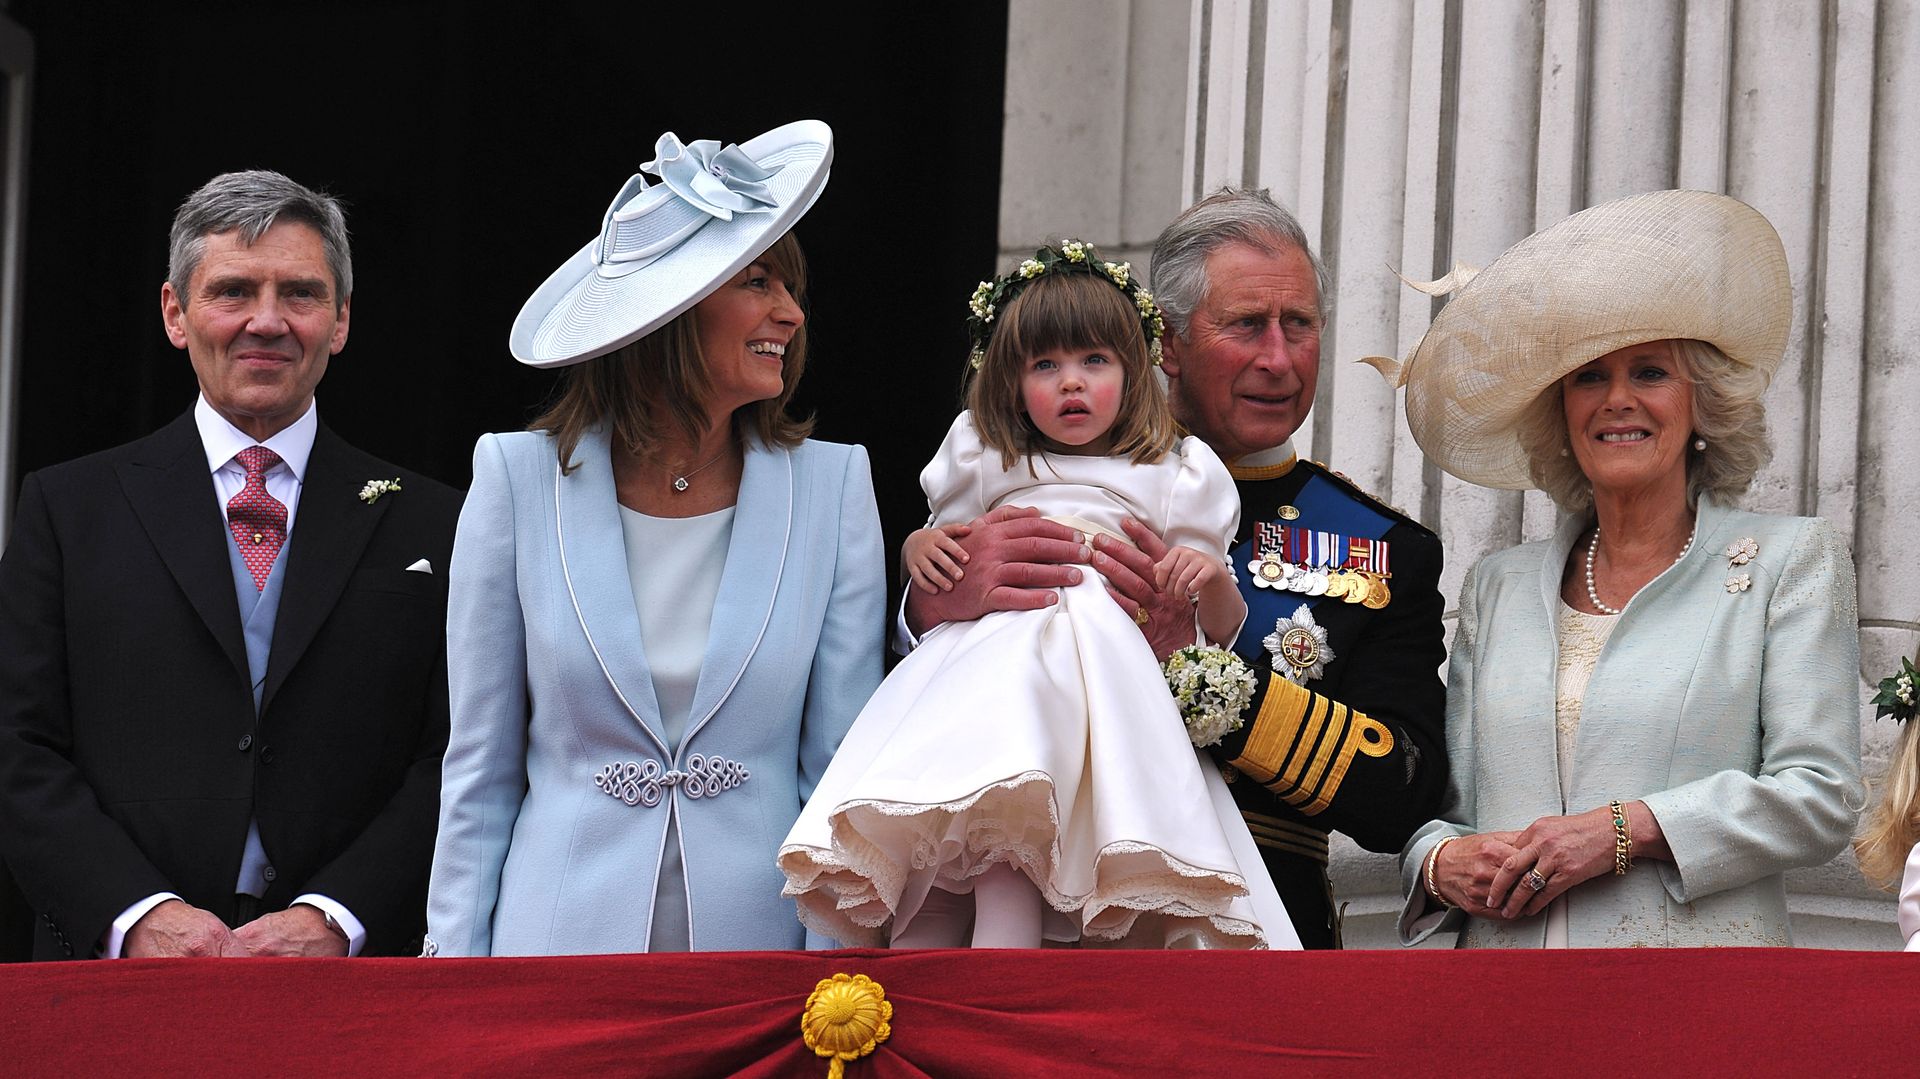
(1141, 895)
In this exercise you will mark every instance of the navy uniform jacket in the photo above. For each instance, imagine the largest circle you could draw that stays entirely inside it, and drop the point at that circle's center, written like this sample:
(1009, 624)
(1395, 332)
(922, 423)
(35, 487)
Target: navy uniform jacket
(1360, 749)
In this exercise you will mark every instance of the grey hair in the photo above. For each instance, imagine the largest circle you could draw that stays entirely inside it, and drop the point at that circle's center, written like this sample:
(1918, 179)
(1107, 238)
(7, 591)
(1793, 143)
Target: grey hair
(1228, 216)
(1728, 413)
(250, 203)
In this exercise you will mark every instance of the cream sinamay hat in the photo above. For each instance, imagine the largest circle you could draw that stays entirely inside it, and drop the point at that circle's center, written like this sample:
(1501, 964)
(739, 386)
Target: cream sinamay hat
(666, 246)
(1670, 264)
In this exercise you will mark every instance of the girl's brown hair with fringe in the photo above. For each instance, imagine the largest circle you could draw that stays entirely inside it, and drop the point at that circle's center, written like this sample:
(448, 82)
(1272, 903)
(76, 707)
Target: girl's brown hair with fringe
(1069, 311)
(660, 382)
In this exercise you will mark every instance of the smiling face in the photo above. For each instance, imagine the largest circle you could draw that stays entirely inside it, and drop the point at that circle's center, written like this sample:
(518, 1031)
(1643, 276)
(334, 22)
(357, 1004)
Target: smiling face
(259, 322)
(1073, 396)
(1242, 377)
(745, 327)
(1629, 418)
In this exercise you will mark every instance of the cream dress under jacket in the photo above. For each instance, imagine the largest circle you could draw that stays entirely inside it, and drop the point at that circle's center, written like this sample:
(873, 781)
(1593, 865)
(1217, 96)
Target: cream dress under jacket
(1731, 711)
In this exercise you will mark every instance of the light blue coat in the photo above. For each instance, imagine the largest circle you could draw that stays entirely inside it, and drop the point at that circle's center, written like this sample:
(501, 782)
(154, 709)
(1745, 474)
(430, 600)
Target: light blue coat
(1734, 715)
(547, 844)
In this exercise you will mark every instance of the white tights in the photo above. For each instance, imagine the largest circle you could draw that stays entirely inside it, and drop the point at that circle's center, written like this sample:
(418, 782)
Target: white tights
(1003, 912)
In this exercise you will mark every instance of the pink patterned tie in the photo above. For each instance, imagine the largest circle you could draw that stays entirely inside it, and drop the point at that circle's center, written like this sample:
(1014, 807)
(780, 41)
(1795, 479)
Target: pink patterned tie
(257, 519)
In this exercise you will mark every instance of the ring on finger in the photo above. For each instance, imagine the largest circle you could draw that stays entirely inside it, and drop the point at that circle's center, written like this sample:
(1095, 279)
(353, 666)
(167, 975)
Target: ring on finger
(1534, 880)
(1139, 616)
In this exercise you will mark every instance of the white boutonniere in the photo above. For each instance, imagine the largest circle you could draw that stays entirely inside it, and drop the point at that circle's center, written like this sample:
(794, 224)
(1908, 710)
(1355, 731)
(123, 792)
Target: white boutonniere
(375, 488)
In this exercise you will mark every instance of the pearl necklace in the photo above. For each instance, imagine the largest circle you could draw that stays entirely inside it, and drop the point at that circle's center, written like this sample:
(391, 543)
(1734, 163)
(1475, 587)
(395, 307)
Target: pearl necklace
(1595, 545)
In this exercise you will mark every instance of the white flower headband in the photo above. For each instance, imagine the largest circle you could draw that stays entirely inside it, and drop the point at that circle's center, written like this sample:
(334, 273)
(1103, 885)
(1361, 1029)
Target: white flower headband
(1072, 256)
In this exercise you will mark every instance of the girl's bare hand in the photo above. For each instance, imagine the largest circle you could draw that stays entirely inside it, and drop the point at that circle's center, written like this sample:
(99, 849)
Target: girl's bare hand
(933, 557)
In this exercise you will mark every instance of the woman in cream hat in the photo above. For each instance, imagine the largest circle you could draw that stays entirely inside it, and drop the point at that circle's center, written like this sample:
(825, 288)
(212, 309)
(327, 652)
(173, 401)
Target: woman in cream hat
(1651, 715)
(666, 602)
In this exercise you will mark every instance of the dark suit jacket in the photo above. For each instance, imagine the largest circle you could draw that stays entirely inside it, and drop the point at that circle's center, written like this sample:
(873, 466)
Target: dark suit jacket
(1363, 749)
(131, 759)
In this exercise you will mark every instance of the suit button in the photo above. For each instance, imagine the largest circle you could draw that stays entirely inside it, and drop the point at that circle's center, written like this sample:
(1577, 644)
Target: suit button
(270, 873)
(266, 754)
(246, 742)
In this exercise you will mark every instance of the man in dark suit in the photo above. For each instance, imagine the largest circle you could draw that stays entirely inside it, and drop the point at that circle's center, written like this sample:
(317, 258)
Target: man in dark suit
(223, 692)
(1343, 623)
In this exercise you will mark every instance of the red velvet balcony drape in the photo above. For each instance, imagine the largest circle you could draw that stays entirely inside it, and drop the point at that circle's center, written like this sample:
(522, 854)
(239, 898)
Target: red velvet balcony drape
(1051, 1013)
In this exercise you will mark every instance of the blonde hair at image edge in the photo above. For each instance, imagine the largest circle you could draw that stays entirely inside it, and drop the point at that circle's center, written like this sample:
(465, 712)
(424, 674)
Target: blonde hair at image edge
(1892, 826)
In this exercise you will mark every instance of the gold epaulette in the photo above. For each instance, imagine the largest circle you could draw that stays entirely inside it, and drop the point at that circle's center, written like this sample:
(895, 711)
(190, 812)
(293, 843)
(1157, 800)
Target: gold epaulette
(1290, 836)
(1301, 744)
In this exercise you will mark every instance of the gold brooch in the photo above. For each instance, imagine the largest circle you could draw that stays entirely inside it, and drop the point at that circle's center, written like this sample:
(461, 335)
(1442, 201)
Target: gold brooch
(1739, 553)
(1742, 552)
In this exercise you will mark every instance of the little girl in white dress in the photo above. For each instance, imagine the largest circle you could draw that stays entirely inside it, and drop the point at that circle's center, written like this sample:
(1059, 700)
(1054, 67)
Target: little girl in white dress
(1027, 776)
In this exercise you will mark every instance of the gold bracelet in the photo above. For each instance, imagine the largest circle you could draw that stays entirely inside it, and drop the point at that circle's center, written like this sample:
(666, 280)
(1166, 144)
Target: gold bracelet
(1433, 859)
(1622, 839)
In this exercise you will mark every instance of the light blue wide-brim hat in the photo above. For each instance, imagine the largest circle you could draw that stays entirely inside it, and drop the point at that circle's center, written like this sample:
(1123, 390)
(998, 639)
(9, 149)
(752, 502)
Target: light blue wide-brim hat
(665, 246)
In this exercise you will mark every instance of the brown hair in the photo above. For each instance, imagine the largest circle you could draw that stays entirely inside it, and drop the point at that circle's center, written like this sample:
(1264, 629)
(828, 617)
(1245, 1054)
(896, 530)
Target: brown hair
(638, 389)
(1063, 310)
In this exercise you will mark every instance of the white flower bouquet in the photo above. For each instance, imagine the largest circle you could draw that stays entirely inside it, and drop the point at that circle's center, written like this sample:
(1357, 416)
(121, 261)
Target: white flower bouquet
(1211, 686)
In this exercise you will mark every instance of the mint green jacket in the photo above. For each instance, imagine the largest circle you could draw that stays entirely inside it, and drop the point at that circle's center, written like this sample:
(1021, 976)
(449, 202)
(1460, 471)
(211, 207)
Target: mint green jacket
(1733, 714)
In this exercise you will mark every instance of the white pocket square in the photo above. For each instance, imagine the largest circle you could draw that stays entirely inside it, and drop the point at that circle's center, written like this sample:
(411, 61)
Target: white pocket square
(422, 566)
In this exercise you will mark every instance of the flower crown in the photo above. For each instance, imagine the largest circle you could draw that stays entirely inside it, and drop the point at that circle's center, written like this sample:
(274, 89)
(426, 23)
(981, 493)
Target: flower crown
(1896, 696)
(1072, 256)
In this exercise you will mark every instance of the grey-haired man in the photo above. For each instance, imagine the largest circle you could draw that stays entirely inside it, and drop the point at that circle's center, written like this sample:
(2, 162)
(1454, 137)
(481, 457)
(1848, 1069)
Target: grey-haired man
(222, 674)
(1345, 730)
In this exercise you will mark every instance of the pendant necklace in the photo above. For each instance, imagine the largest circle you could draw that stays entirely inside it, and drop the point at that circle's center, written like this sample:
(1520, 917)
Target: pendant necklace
(680, 481)
(1594, 595)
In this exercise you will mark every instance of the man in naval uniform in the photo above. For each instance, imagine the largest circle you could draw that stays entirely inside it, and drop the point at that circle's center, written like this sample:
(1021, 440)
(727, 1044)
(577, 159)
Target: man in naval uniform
(1344, 610)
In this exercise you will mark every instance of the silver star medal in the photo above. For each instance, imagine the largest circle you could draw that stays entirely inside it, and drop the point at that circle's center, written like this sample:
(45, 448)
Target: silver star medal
(1299, 647)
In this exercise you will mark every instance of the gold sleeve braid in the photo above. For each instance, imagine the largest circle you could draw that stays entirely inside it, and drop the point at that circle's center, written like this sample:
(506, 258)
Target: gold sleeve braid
(1301, 745)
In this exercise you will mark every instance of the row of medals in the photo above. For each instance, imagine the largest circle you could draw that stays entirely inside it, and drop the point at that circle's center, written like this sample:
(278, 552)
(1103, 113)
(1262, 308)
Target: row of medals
(1346, 584)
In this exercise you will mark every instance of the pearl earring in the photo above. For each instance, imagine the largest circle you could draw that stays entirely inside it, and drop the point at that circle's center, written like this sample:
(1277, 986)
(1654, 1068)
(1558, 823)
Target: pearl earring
(1565, 452)
(1699, 443)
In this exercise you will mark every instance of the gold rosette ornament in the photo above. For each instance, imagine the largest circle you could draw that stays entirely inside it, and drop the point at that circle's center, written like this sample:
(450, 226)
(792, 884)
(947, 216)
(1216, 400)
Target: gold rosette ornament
(847, 1017)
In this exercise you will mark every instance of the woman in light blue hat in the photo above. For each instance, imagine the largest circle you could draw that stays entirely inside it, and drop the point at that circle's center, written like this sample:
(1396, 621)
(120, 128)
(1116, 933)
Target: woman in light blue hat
(666, 601)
